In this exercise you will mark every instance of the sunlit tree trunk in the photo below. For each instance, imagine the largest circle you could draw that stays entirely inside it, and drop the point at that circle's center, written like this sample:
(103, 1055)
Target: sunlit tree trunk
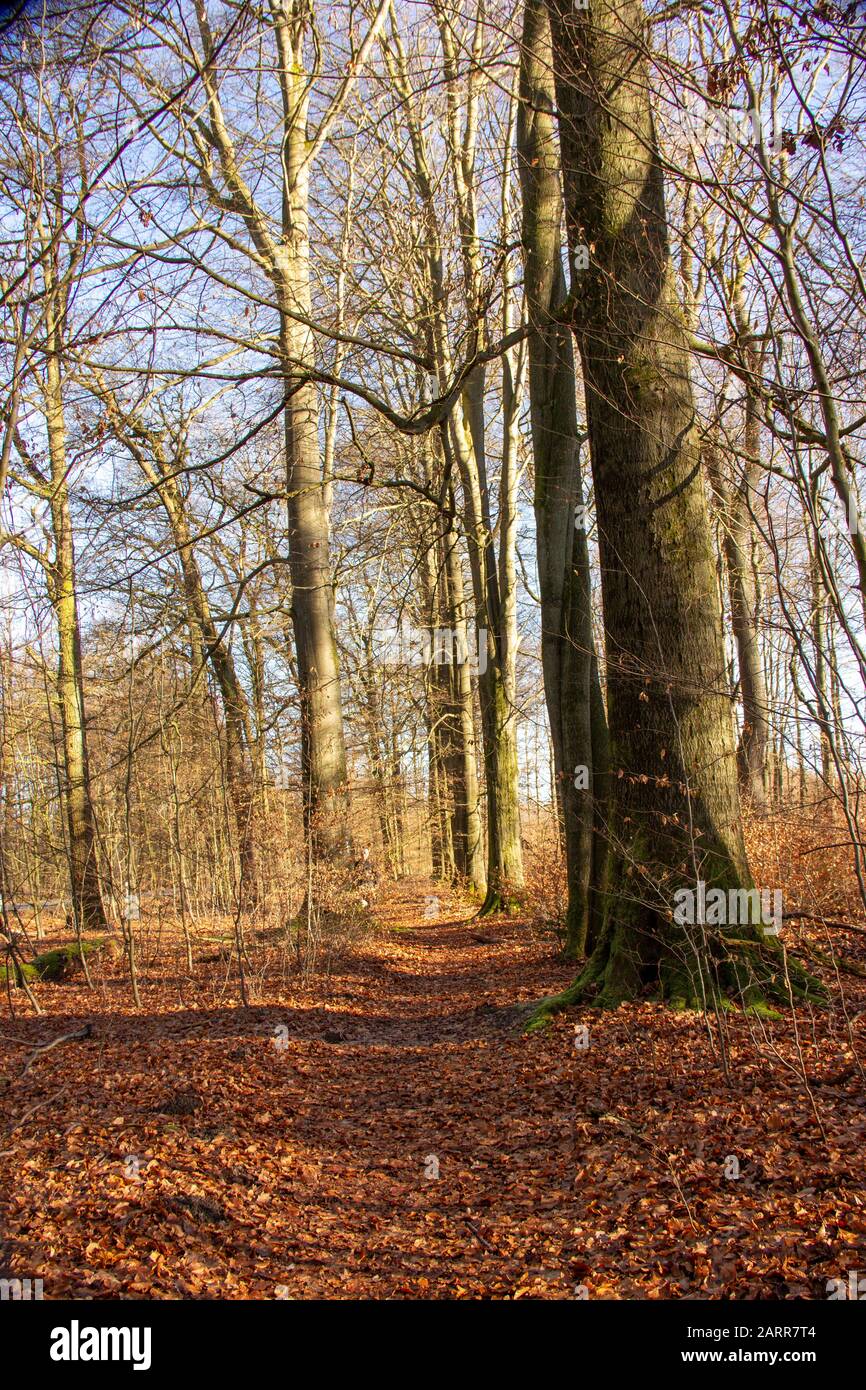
(323, 752)
(574, 704)
(285, 258)
(83, 860)
(466, 821)
(493, 593)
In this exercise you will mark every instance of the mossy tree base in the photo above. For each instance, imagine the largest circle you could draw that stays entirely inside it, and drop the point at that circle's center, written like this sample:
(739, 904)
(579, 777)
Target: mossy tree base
(57, 964)
(693, 968)
(499, 900)
(62, 962)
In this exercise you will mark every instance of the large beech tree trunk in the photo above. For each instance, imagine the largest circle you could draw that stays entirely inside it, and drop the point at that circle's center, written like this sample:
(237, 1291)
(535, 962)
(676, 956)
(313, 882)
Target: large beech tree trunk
(675, 815)
(323, 751)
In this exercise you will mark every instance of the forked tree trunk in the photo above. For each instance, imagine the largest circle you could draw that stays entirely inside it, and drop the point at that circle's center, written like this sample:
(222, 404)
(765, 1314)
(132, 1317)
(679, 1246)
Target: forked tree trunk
(286, 259)
(675, 809)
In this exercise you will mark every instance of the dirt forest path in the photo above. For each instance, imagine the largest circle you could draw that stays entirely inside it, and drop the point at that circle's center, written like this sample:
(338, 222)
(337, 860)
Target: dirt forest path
(456, 1175)
(381, 1134)
(388, 1132)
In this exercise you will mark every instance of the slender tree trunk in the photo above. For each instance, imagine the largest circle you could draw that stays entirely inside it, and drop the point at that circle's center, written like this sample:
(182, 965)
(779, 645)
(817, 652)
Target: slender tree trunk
(499, 740)
(254, 647)
(746, 605)
(83, 862)
(442, 858)
(444, 790)
(843, 752)
(574, 705)
(798, 734)
(466, 825)
(514, 362)
(398, 802)
(323, 751)
(819, 643)
(378, 755)
(737, 543)
(240, 773)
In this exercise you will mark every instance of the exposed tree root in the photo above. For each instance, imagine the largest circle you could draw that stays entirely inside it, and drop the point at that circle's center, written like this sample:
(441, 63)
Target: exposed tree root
(498, 900)
(750, 973)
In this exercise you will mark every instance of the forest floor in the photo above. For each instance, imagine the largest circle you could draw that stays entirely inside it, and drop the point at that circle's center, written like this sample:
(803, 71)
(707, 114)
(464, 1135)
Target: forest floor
(386, 1131)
